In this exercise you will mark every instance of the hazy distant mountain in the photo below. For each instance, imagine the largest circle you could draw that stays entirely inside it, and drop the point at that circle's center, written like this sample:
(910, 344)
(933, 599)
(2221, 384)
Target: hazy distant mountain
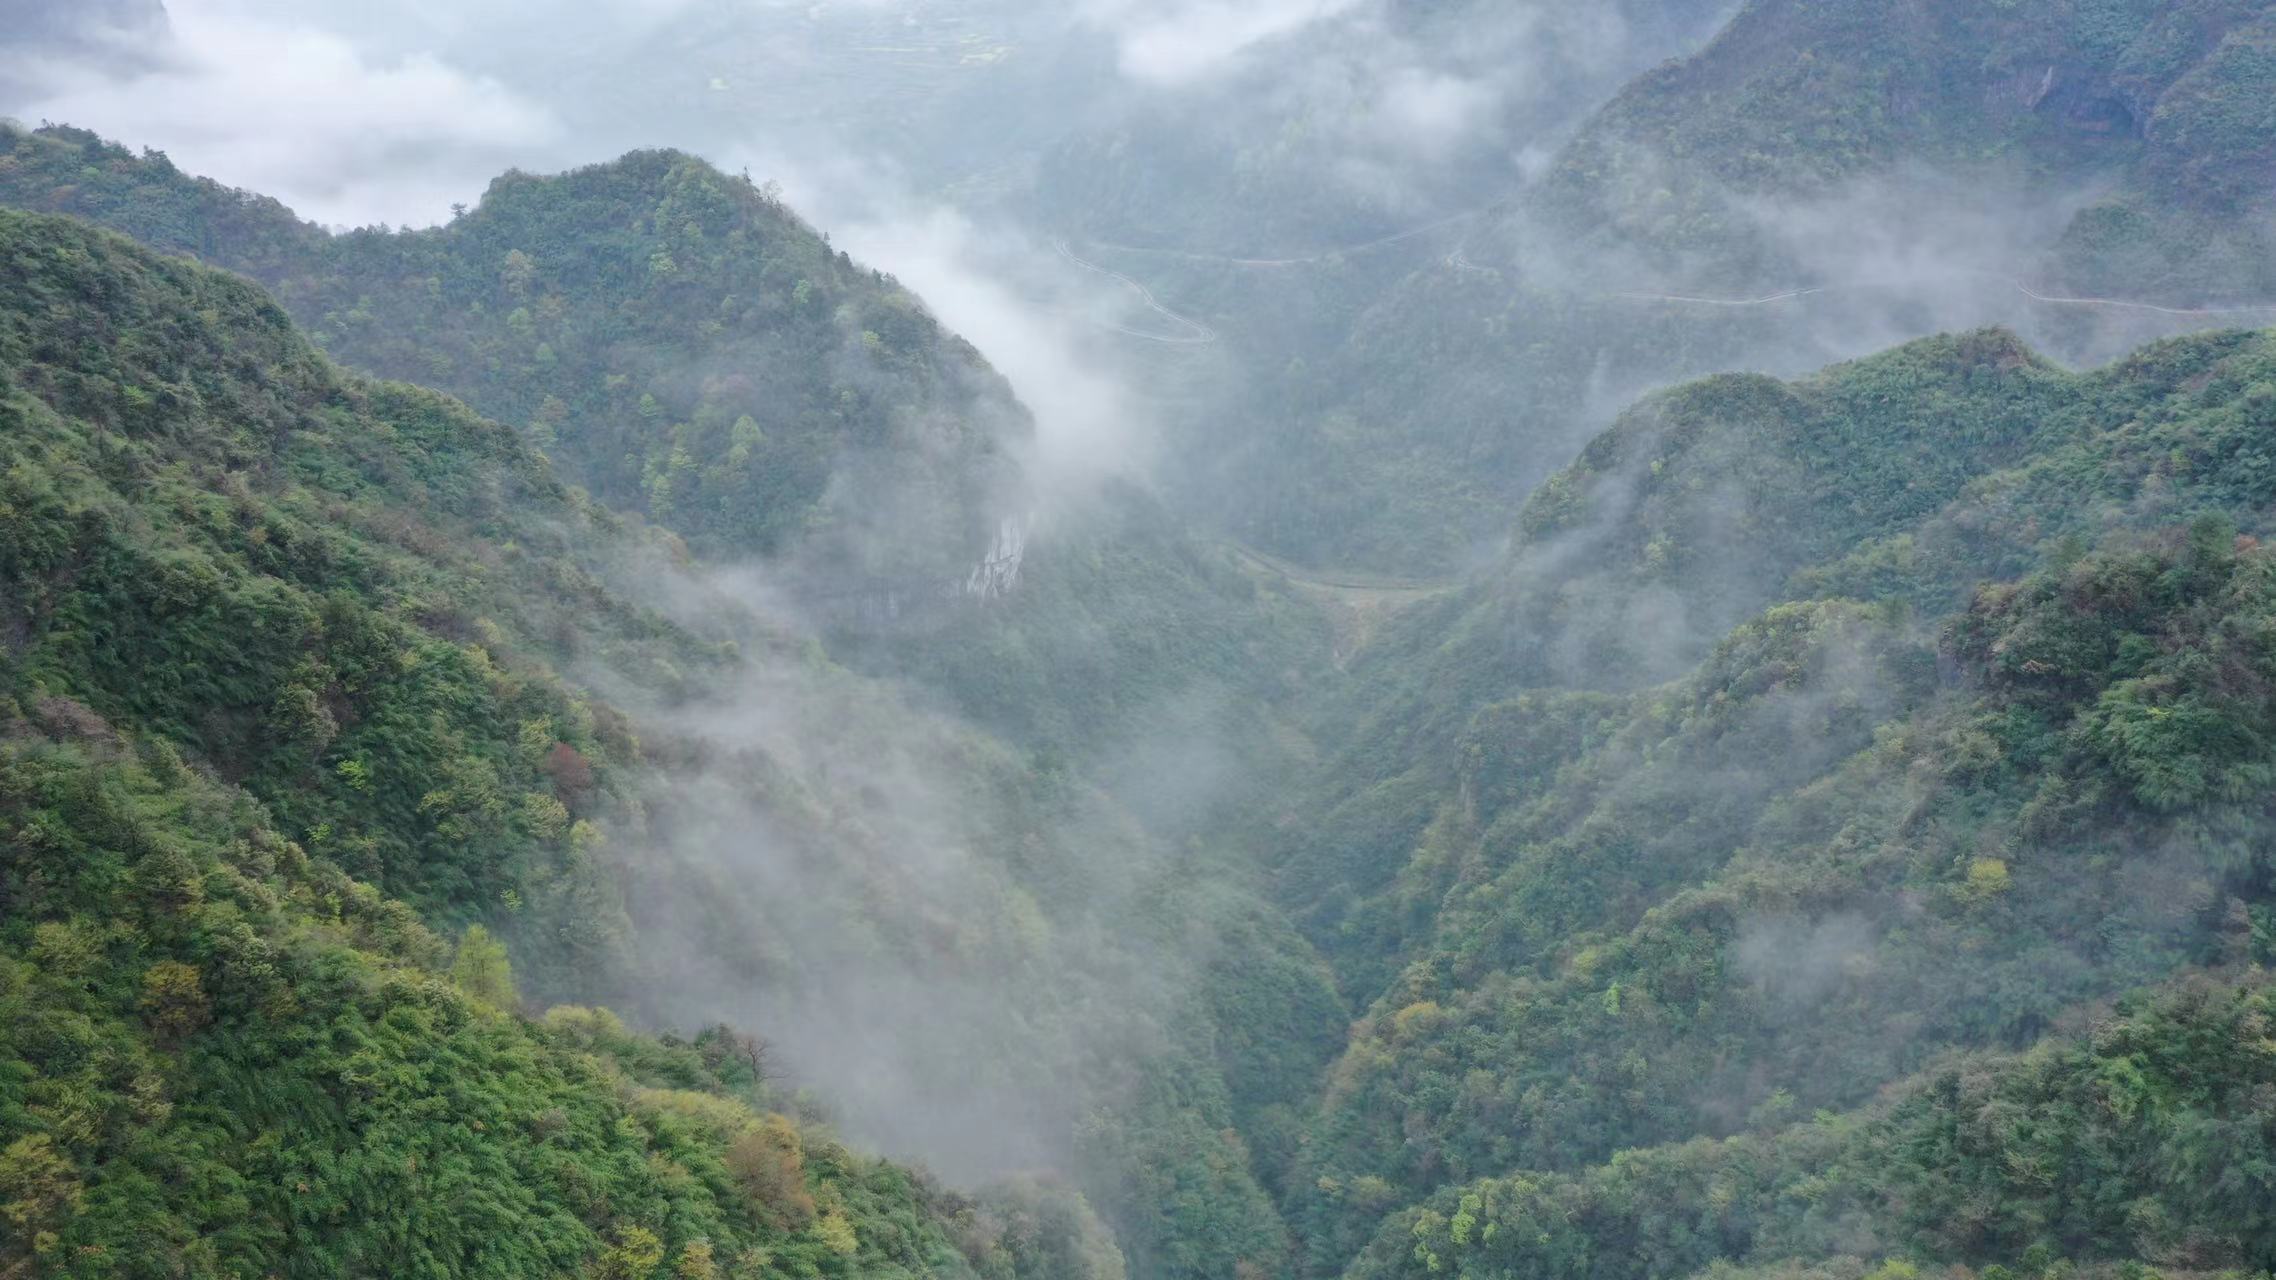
(2164, 111)
(1351, 127)
(1815, 183)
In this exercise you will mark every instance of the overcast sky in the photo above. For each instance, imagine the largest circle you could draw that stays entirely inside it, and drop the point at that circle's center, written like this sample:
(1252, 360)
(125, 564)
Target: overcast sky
(360, 112)
(355, 113)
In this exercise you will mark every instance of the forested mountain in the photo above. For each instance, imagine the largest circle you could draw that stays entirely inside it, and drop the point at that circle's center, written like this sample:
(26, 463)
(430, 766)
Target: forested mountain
(679, 341)
(696, 354)
(874, 475)
(575, 741)
(1987, 751)
(2144, 1134)
(278, 687)
(2166, 103)
(341, 608)
(1383, 116)
(1817, 182)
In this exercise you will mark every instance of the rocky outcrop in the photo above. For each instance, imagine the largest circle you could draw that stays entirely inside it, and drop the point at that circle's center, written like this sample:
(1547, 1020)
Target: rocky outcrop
(997, 574)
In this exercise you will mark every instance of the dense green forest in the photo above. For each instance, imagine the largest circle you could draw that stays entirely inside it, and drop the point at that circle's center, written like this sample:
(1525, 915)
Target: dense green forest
(572, 742)
(349, 597)
(1876, 816)
(676, 339)
(2146, 1133)
(1988, 750)
(343, 608)
(742, 403)
(280, 715)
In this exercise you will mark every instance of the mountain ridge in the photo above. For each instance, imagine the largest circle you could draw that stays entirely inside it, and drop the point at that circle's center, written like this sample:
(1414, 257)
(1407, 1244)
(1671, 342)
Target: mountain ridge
(1821, 835)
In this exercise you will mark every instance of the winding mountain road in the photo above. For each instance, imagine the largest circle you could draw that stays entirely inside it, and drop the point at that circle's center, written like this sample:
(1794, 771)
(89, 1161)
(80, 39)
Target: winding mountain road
(1194, 333)
(1312, 259)
(1459, 260)
(2116, 304)
(2253, 308)
(1191, 332)
(1355, 604)
(1787, 296)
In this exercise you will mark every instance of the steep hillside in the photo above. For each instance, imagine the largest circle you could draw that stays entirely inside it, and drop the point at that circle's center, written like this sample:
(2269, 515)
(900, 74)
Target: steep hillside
(685, 346)
(347, 597)
(1818, 182)
(2166, 104)
(1967, 737)
(1822, 831)
(2141, 1140)
(264, 615)
(223, 1054)
(677, 340)
(276, 702)
(1895, 812)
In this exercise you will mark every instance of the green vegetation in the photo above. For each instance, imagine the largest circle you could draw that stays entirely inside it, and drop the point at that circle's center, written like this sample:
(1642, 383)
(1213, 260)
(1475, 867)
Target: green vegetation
(223, 1055)
(676, 339)
(764, 395)
(1829, 840)
(1398, 401)
(347, 597)
(336, 609)
(2148, 1136)
(276, 703)
(1893, 814)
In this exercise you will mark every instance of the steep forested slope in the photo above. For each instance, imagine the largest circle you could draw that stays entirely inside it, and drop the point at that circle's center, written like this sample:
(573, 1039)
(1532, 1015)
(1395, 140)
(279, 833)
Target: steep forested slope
(224, 1055)
(345, 596)
(1818, 182)
(2168, 103)
(678, 340)
(1895, 812)
(685, 346)
(1884, 814)
(2145, 1135)
(275, 700)
(343, 605)
(1833, 840)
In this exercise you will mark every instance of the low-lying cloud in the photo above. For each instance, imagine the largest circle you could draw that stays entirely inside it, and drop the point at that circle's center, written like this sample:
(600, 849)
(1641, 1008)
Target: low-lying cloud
(1088, 426)
(1166, 45)
(1061, 334)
